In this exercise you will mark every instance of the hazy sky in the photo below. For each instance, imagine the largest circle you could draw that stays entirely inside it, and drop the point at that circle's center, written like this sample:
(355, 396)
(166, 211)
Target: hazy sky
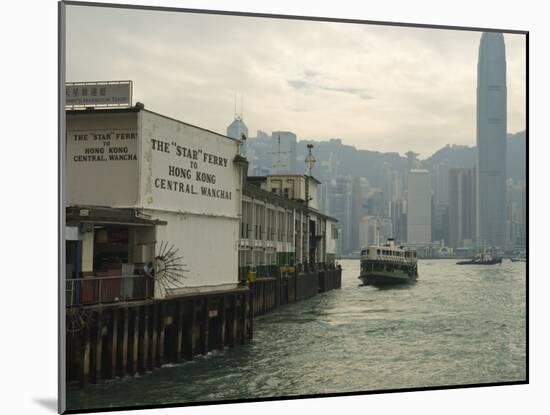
(375, 87)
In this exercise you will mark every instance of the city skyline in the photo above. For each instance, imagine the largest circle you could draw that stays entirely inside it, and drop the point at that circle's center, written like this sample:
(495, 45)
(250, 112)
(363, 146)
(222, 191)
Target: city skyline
(369, 85)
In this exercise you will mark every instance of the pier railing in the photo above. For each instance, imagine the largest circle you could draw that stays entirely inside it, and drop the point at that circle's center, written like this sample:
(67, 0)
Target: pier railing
(112, 289)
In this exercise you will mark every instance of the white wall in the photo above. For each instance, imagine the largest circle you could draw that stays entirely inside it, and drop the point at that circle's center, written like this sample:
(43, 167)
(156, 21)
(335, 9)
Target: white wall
(209, 246)
(314, 202)
(203, 218)
(331, 243)
(204, 228)
(102, 165)
(177, 158)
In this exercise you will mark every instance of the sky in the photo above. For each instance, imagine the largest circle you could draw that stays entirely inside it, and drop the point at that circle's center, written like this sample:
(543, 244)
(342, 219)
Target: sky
(380, 88)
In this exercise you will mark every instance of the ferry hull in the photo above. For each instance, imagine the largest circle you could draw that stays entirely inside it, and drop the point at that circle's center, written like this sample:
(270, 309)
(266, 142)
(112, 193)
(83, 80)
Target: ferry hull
(378, 279)
(487, 262)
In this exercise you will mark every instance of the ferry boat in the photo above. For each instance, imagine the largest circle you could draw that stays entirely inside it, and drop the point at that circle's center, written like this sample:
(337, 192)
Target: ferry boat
(481, 259)
(388, 264)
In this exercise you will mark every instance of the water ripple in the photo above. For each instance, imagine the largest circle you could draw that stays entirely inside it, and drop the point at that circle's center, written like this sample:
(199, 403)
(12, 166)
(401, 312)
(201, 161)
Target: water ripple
(456, 325)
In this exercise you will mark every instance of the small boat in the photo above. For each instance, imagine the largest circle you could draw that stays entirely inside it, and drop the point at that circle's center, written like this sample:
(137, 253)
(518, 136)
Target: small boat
(481, 259)
(387, 264)
(518, 259)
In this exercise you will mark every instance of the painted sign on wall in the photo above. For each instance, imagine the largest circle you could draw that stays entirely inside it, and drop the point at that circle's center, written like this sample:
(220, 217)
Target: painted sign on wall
(102, 166)
(188, 168)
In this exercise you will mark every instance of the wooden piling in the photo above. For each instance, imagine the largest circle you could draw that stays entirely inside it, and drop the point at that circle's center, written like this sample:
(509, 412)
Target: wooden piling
(145, 335)
(98, 347)
(233, 321)
(113, 341)
(244, 315)
(178, 322)
(161, 334)
(190, 328)
(204, 327)
(145, 340)
(124, 342)
(85, 375)
(221, 325)
(154, 337)
(135, 340)
(250, 315)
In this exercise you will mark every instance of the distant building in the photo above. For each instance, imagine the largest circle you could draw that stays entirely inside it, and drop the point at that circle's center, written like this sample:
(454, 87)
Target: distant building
(376, 205)
(412, 161)
(399, 220)
(341, 209)
(491, 140)
(373, 230)
(258, 154)
(440, 222)
(516, 214)
(355, 213)
(239, 131)
(462, 207)
(283, 153)
(419, 207)
(440, 183)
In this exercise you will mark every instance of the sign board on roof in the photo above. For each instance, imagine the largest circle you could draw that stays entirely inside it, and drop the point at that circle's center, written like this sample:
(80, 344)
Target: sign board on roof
(98, 94)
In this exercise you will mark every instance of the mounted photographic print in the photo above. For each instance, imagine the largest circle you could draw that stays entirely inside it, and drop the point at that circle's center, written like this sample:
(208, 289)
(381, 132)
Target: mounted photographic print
(258, 207)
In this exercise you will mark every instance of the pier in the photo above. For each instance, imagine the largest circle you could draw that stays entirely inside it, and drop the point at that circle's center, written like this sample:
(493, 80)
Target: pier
(124, 339)
(107, 339)
(159, 272)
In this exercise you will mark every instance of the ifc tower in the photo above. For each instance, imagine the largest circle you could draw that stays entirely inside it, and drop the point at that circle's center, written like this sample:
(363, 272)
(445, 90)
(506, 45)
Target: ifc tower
(491, 140)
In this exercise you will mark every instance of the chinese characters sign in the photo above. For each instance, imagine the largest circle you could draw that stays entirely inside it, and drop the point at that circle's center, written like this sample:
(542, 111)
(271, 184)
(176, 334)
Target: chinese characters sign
(98, 94)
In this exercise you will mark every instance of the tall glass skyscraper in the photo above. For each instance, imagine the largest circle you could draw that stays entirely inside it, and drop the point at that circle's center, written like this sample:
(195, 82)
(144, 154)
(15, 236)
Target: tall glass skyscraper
(491, 140)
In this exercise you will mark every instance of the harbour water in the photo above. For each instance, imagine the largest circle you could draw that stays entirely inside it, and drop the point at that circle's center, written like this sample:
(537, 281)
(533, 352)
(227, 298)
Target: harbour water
(456, 325)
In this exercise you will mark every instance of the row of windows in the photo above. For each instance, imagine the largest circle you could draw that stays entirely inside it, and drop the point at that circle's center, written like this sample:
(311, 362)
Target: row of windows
(286, 192)
(389, 252)
(269, 224)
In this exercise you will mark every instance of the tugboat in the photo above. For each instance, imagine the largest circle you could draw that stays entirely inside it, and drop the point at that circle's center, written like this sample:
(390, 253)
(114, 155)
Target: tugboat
(481, 259)
(388, 264)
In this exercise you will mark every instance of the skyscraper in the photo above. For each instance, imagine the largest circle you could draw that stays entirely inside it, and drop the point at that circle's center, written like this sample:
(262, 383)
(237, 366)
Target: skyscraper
(239, 131)
(419, 207)
(491, 140)
(283, 153)
(341, 209)
(462, 207)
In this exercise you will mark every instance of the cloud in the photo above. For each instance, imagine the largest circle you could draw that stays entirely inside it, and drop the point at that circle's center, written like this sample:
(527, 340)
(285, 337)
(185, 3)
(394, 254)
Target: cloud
(383, 88)
(310, 73)
(361, 93)
(309, 86)
(297, 84)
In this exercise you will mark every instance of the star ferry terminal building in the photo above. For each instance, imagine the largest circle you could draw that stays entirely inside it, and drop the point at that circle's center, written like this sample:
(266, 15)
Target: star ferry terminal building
(170, 249)
(143, 187)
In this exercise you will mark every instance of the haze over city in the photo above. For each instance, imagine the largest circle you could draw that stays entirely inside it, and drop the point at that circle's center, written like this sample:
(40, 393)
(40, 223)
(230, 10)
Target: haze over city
(380, 88)
(369, 179)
